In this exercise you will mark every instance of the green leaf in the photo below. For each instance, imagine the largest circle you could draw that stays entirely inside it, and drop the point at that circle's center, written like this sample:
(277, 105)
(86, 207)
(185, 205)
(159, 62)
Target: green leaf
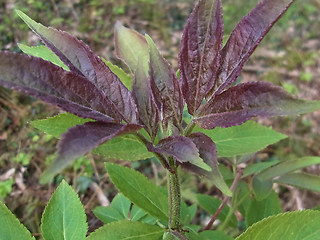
(43, 52)
(211, 205)
(262, 209)
(122, 75)
(107, 214)
(58, 124)
(187, 213)
(241, 197)
(243, 139)
(130, 46)
(121, 204)
(286, 226)
(119, 209)
(10, 227)
(301, 180)
(258, 167)
(261, 188)
(64, 217)
(286, 167)
(219, 235)
(126, 147)
(127, 230)
(139, 190)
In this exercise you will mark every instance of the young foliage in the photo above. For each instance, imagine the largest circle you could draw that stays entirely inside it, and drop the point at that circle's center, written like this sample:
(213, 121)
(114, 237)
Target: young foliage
(64, 217)
(108, 112)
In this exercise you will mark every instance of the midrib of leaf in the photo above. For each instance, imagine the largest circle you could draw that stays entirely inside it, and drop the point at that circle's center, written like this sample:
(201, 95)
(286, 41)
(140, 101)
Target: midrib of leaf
(143, 235)
(202, 55)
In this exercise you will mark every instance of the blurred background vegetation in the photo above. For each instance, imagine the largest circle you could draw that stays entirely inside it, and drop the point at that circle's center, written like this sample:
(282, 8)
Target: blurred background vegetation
(289, 57)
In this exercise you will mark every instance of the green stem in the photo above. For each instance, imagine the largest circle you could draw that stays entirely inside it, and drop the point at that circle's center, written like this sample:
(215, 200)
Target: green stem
(174, 197)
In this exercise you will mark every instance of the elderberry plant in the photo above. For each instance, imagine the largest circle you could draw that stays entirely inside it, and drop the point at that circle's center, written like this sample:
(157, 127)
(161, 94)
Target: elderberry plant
(148, 115)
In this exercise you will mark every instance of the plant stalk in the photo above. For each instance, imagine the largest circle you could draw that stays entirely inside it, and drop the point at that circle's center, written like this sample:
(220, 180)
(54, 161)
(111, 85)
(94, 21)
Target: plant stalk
(174, 197)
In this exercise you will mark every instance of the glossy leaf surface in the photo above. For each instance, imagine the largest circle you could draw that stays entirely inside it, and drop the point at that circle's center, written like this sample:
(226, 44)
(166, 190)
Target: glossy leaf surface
(64, 217)
(81, 60)
(246, 36)
(244, 101)
(127, 230)
(10, 227)
(165, 86)
(199, 57)
(139, 190)
(286, 226)
(81, 139)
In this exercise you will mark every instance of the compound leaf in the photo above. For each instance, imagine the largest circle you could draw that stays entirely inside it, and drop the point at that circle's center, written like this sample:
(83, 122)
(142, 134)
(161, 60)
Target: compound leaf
(81, 60)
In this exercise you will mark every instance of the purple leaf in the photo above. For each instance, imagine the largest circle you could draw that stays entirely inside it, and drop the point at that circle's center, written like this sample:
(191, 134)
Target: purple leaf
(246, 36)
(208, 152)
(241, 102)
(199, 57)
(81, 60)
(80, 139)
(50, 83)
(165, 86)
(182, 148)
(148, 110)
